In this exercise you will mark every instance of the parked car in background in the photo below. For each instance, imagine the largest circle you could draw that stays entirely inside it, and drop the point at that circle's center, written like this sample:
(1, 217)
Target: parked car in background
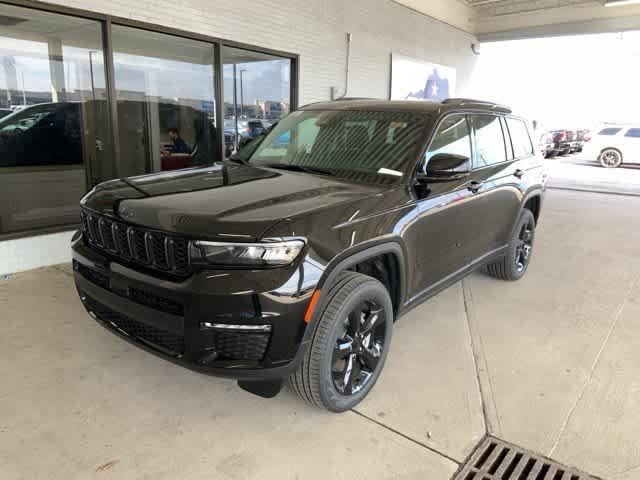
(561, 142)
(613, 146)
(583, 137)
(546, 145)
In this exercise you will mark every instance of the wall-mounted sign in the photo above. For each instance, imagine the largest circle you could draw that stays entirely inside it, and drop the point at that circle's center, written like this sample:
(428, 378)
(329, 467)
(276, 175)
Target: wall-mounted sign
(413, 79)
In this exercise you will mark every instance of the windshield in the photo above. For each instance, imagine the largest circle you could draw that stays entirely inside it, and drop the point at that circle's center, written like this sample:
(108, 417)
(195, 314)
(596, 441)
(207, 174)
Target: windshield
(375, 147)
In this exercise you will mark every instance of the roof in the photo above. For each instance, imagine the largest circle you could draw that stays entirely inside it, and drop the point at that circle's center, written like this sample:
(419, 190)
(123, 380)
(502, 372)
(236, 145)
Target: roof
(410, 106)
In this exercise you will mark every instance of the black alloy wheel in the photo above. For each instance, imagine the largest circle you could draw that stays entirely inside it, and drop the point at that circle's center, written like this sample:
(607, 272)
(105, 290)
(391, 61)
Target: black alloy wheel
(514, 264)
(349, 346)
(359, 349)
(524, 245)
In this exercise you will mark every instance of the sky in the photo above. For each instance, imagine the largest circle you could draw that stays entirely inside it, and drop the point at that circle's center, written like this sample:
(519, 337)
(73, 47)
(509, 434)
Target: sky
(564, 82)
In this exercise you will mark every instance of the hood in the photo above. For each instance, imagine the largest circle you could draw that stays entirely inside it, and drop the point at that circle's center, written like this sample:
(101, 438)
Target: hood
(222, 202)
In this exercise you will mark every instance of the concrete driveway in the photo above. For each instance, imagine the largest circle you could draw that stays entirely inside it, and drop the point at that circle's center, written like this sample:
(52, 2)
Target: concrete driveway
(582, 173)
(550, 363)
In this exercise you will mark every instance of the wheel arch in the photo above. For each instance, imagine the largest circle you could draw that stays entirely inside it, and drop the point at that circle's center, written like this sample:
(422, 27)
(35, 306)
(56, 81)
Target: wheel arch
(358, 255)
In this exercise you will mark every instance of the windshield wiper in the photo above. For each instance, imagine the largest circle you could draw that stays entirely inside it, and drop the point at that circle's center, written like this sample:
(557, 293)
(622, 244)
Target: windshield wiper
(300, 168)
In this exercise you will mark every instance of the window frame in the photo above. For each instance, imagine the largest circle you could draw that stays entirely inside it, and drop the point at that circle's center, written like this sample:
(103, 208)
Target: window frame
(636, 129)
(532, 153)
(106, 21)
(475, 167)
(436, 129)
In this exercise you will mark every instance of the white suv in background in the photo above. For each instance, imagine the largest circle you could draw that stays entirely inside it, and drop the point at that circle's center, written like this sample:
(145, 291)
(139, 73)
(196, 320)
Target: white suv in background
(614, 145)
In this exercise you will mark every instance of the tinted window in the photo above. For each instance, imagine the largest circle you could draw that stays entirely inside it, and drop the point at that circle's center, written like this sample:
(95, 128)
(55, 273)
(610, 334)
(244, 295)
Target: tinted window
(490, 147)
(356, 145)
(453, 137)
(522, 146)
(633, 132)
(609, 131)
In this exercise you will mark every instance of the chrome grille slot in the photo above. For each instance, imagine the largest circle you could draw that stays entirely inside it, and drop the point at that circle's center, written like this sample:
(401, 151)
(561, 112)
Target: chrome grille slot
(155, 250)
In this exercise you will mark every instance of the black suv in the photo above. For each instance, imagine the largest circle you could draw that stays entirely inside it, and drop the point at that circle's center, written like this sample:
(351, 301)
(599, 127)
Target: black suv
(294, 259)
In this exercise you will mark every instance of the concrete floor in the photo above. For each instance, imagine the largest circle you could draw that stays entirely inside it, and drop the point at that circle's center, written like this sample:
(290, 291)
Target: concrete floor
(577, 171)
(550, 363)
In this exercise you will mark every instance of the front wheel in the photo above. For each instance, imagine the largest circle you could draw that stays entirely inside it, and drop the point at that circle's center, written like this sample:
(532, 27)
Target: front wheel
(514, 264)
(349, 346)
(610, 158)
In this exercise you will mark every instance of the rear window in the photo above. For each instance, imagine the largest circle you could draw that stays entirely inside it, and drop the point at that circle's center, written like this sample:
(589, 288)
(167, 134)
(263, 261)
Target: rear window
(522, 145)
(633, 132)
(609, 131)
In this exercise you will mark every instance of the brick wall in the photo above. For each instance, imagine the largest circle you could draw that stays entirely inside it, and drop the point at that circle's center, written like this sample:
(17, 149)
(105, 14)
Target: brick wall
(316, 30)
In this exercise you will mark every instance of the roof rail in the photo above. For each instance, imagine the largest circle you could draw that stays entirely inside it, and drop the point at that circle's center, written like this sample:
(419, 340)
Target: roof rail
(472, 101)
(352, 99)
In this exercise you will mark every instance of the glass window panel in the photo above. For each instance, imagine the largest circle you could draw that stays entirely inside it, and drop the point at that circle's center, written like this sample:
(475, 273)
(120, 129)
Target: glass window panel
(522, 146)
(633, 132)
(54, 129)
(257, 93)
(490, 147)
(453, 137)
(166, 103)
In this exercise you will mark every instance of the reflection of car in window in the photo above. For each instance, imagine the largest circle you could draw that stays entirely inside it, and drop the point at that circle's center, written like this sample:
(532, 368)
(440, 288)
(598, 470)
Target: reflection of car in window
(43, 134)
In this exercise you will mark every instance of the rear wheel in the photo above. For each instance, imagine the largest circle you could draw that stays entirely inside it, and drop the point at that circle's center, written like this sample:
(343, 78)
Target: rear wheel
(514, 264)
(349, 347)
(610, 158)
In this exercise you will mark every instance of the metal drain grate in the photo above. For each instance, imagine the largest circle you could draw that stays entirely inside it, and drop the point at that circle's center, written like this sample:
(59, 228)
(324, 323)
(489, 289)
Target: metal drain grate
(497, 460)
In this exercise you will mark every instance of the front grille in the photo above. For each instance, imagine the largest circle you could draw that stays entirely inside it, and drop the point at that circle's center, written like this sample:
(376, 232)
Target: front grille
(158, 251)
(137, 295)
(241, 346)
(498, 460)
(94, 277)
(165, 341)
(155, 301)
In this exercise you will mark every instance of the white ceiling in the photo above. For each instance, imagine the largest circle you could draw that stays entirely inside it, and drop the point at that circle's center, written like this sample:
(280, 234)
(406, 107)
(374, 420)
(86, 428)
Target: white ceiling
(497, 19)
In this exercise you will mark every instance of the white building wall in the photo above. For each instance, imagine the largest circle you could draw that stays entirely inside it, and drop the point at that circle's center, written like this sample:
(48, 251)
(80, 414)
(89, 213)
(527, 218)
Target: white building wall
(314, 29)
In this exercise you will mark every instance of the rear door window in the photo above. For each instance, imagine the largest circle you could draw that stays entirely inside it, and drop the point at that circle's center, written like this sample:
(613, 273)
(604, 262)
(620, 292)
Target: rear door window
(633, 132)
(520, 139)
(490, 144)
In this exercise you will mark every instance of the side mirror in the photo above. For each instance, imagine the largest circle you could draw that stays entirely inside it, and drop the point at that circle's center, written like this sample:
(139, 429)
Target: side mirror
(442, 168)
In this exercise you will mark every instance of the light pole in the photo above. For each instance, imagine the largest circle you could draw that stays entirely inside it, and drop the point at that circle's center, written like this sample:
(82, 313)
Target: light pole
(93, 87)
(242, 92)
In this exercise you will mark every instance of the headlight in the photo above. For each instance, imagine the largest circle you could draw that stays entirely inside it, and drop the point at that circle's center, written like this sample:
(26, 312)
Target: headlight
(263, 254)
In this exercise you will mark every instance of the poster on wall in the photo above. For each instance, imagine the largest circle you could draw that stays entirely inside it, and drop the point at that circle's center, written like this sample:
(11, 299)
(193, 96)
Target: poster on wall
(413, 79)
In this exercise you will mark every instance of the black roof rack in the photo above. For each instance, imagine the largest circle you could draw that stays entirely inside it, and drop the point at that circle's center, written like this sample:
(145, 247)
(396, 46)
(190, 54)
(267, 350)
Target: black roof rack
(472, 101)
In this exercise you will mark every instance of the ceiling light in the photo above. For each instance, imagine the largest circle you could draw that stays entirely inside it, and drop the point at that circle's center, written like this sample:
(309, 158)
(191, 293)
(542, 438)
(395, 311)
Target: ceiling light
(619, 3)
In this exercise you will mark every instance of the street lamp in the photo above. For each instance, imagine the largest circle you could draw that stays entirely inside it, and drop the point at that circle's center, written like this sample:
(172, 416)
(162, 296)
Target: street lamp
(93, 87)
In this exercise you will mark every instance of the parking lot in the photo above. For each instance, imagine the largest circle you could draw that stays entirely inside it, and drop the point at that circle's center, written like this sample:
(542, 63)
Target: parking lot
(577, 171)
(548, 363)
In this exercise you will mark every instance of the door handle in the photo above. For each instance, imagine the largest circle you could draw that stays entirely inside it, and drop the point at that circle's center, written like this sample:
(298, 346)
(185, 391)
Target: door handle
(518, 173)
(475, 186)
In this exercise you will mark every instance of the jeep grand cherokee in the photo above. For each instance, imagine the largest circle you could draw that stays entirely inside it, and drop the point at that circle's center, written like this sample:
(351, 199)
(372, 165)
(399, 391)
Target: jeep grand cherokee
(294, 259)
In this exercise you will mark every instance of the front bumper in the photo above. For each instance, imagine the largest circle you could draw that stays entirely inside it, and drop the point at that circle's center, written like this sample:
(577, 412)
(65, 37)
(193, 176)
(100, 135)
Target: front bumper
(232, 323)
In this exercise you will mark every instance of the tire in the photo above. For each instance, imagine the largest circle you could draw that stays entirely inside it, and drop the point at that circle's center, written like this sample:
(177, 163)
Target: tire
(515, 263)
(320, 378)
(610, 158)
